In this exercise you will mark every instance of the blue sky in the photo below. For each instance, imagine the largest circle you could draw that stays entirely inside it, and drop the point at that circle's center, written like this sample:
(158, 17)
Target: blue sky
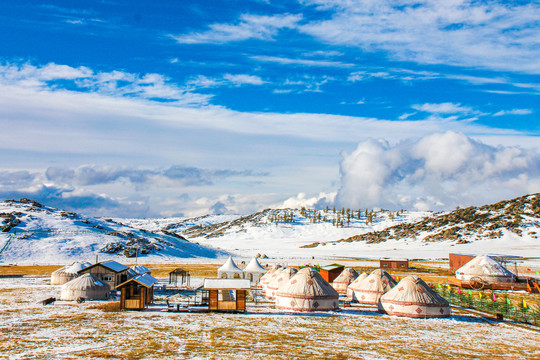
(139, 108)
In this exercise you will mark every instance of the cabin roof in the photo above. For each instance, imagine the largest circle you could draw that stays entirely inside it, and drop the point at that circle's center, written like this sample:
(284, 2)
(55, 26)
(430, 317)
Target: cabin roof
(109, 264)
(145, 280)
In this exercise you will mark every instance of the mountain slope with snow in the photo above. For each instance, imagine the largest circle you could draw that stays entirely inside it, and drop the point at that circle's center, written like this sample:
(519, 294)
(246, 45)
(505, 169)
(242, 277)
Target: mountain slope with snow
(33, 233)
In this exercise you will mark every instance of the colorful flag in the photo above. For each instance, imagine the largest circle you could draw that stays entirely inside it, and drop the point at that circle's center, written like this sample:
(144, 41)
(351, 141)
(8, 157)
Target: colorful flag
(494, 297)
(508, 301)
(529, 269)
(470, 292)
(439, 286)
(479, 295)
(524, 304)
(458, 290)
(449, 287)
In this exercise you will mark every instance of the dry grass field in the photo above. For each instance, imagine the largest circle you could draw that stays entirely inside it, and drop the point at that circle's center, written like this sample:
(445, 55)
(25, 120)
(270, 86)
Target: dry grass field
(95, 330)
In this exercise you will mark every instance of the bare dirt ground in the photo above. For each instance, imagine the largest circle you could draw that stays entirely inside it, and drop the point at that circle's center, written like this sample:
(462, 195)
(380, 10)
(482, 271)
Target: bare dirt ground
(66, 330)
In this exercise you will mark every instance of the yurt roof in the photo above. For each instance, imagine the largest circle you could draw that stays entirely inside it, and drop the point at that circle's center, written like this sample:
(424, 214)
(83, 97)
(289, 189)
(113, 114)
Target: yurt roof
(378, 280)
(358, 280)
(140, 269)
(229, 266)
(307, 283)
(61, 270)
(75, 268)
(85, 282)
(483, 265)
(254, 266)
(273, 269)
(412, 290)
(346, 276)
(284, 274)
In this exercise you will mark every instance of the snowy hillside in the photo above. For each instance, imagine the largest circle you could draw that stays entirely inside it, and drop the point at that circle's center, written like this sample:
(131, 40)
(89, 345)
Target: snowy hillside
(508, 227)
(33, 233)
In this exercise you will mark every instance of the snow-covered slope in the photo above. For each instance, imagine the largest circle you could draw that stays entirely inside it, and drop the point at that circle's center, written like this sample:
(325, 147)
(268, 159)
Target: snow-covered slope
(509, 227)
(33, 233)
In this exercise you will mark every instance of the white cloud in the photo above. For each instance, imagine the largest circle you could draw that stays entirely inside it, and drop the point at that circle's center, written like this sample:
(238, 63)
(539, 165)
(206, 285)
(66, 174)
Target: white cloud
(243, 79)
(306, 62)
(248, 27)
(514, 112)
(202, 81)
(439, 171)
(302, 199)
(495, 35)
(443, 108)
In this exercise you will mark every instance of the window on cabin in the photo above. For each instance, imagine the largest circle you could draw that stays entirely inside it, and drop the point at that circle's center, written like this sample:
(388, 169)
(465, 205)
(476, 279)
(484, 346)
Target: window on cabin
(107, 278)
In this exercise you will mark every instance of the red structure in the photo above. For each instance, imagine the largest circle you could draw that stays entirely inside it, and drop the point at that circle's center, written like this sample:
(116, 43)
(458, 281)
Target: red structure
(456, 261)
(394, 264)
(330, 272)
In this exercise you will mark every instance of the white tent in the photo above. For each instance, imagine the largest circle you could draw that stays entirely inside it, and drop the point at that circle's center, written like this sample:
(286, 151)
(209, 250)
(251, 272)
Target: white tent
(369, 290)
(284, 275)
(67, 273)
(269, 277)
(412, 297)
(229, 270)
(254, 271)
(307, 291)
(140, 269)
(346, 277)
(86, 286)
(354, 285)
(485, 268)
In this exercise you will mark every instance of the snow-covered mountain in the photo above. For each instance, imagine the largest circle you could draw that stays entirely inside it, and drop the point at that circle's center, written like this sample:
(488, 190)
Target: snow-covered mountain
(33, 233)
(508, 227)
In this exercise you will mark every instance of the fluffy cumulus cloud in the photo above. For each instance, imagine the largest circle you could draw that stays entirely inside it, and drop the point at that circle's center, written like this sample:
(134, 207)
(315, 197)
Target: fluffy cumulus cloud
(491, 34)
(437, 172)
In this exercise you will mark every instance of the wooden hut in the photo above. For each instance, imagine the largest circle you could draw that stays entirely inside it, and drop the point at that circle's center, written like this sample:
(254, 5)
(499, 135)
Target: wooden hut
(137, 293)
(227, 294)
(331, 272)
(110, 272)
(455, 261)
(394, 263)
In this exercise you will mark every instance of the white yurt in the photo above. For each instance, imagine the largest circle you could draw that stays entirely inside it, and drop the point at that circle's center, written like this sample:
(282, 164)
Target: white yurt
(354, 285)
(272, 269)
(67, 273)
(307, 291)
(284, 275)
(229, 270)
(485, 268)
(86, 286)
(347, 276)
(140, 269)
(369, 290)
(254, 271)
(267, 280)
(412, 297)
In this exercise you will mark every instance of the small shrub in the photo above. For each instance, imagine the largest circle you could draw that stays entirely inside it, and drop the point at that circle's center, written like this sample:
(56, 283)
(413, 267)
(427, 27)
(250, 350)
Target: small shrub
(107, 307)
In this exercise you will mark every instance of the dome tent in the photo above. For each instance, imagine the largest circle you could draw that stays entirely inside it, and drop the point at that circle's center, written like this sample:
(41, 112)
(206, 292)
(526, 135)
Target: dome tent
(86, 286)
(412, 297)
(229, 270)
(486, 268)
(344, 279)
(254, 271)
(354, 285)
(284, 275)
(369, 290)
(307, 291)
(67, 273)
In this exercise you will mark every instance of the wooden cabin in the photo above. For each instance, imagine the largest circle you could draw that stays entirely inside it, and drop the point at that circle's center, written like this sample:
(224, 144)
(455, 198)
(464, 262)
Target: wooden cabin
(393, 264)
(137, 293)
(330, 272)
(110, 272)
(227, 294)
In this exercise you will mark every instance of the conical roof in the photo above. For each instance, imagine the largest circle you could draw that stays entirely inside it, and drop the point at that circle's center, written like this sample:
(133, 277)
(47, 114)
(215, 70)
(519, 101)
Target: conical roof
(308, 283)
(85, 282)
(273, 269)
(229, 266)
(347, 276)
(284, 275)
(358, 280)
(412, 297)
(75, 267)
(369, 290)
(484, 265)
(140, 269)
(254, 266)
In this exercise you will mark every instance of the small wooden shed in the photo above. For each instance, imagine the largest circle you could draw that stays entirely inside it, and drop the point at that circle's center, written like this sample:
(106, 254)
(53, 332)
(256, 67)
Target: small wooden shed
(394, 263)
(179, 274)
(331, 272)
(455, 261)
(227, 294)
(137, 293)
(110, 272)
